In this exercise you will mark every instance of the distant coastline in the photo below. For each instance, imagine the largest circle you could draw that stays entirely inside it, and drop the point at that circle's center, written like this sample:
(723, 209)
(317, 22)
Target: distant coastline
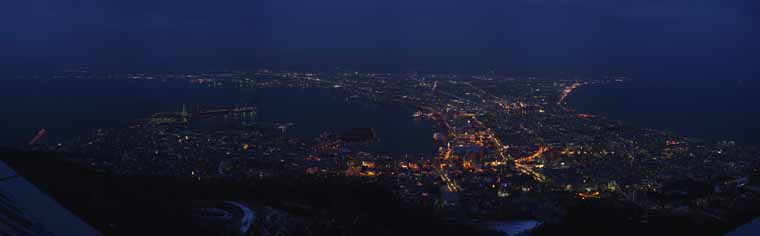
(702, 109)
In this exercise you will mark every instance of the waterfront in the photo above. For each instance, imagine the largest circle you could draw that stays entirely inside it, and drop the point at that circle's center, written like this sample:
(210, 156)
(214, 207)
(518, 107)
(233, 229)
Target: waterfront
(70, 109)
(704, 109)
(510, 147)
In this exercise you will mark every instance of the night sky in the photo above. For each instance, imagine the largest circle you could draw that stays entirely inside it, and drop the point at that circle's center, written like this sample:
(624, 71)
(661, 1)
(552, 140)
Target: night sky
(678, 39)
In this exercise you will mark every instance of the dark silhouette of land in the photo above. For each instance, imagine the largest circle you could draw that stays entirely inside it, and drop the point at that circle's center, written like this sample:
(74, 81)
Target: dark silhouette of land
(150, 205)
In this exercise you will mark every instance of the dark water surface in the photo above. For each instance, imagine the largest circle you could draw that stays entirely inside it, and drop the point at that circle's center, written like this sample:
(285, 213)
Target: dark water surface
(705, 109)
(72, 108)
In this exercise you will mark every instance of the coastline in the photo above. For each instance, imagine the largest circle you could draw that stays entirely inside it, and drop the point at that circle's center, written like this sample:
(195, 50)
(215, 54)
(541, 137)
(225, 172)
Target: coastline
(699, 110)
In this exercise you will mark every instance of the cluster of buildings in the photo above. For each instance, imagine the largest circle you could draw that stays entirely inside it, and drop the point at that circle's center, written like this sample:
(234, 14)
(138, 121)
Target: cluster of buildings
(507, 147)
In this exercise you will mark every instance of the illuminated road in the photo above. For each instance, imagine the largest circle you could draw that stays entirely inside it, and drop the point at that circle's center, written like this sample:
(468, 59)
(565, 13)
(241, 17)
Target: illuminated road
(518, 163)
(450, 183)
(527, 169)
(444, 156)
(535, 155)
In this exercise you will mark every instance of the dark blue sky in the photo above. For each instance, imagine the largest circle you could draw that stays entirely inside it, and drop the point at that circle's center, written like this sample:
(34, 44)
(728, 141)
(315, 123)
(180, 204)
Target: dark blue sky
(678, 38)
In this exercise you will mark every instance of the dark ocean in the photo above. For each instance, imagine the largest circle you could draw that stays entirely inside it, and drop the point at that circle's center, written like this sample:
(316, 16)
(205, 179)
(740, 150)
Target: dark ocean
(72, 108)
(710, 110)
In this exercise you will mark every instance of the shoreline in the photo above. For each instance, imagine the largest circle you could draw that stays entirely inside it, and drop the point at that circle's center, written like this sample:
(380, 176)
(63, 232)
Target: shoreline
(692, 132)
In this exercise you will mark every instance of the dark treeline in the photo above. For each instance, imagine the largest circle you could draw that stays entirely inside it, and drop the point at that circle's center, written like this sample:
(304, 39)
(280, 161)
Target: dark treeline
(150, 205)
